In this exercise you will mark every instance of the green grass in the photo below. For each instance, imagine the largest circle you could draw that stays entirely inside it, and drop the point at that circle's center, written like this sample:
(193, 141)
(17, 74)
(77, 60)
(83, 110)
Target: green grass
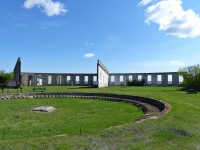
(152, 134)
(72, 116)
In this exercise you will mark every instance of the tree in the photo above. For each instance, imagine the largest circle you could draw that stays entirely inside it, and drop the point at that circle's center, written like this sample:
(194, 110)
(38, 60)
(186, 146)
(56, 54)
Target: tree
(191, 76)
(4, 79)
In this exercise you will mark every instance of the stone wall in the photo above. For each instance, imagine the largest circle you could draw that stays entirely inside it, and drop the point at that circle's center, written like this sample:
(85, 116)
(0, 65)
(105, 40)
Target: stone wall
(151, 79)
(114, 79)
(100, 79)
(102, 75)
(17, 73)
(62, 79)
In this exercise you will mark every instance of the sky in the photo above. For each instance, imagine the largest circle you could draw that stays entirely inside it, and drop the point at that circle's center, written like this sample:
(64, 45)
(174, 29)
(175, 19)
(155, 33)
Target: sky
(129, 36)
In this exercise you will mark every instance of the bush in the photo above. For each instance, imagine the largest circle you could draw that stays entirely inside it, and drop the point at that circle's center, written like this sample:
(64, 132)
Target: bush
(191, 76)
(136, 83)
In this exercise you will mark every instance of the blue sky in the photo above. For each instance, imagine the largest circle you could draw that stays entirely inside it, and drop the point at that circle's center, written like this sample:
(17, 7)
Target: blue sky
(128, 36)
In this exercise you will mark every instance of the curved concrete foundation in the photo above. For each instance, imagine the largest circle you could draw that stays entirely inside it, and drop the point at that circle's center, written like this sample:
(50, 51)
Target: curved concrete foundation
(151, 107)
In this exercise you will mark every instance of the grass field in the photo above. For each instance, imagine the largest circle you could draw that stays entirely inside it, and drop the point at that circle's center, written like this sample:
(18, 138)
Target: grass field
(179, 129)
(73, 116)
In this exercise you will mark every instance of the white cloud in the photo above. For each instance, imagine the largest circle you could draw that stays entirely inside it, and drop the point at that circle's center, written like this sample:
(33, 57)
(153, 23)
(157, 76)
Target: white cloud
(144, 2)
(49, 7)
(171, 17)
(176, 63)
(89, 55)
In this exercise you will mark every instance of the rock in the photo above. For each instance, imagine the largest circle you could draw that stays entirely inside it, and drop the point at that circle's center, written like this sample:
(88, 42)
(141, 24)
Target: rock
(44, 109)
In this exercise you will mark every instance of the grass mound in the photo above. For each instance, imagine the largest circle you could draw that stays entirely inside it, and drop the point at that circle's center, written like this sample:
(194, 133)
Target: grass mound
(72, 116)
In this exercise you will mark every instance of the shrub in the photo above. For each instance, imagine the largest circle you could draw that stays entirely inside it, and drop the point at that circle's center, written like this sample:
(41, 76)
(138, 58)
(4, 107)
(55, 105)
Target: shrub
(191, 76)
(136, 83)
